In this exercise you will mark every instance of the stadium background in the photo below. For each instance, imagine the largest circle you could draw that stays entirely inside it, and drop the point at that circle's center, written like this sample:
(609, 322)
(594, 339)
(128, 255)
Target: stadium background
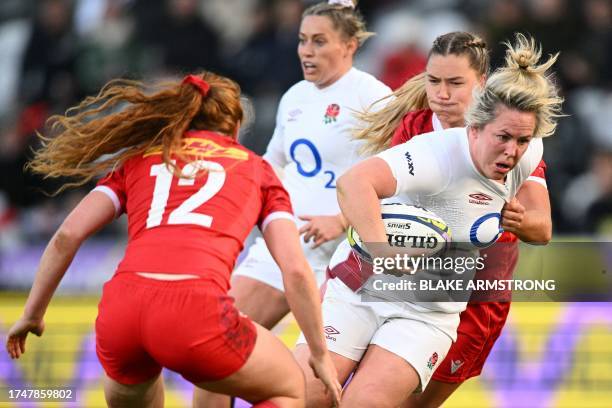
(54, 52)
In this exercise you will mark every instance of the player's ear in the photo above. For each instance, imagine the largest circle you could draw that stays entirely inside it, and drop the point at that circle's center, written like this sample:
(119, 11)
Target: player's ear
(351, 46)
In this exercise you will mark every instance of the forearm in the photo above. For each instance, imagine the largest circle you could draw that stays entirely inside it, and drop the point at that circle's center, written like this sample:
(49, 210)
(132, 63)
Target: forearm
(536, 227)
(301, 291)
(53, 265)
(304, 301)
(95, 210)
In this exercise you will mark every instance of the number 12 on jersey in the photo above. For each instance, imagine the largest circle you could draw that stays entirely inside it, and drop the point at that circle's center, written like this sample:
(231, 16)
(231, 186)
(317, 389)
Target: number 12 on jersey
(184, 214)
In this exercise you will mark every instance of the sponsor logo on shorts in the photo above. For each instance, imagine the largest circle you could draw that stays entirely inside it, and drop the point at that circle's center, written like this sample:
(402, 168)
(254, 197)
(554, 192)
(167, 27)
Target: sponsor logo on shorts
(479, 198)
(330, 331)
(431, 363)
(455, 365)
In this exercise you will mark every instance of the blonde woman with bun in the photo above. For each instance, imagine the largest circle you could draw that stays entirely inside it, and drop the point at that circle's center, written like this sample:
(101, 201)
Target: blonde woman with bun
(394, 346)
(439, 98)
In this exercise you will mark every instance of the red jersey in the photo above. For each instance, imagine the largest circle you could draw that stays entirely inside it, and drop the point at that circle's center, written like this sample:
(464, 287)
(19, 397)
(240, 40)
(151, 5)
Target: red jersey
(194, 225)
(421, 121)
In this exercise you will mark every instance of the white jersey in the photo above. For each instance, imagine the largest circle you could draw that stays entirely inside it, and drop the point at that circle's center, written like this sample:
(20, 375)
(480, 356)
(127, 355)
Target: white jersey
(312, 142)
(436, 171)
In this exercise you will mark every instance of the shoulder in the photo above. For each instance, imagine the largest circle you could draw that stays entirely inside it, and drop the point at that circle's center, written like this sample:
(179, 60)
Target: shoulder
(443, 144)
(297, 91)
(368, 85)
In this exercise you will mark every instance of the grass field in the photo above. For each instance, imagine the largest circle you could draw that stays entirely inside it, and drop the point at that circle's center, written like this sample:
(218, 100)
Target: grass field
(550, 355)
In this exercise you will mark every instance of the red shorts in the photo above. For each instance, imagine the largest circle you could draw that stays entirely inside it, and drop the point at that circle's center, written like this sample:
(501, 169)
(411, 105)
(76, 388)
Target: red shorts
(480, 326)
(188, 326)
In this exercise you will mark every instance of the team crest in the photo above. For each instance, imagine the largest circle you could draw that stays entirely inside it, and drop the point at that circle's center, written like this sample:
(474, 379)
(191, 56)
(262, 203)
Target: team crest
(431, 363)
(331, 113)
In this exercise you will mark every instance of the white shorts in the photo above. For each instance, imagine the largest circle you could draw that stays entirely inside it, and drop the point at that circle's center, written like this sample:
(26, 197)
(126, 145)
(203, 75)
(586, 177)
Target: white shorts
(351, 325)
(260, 265)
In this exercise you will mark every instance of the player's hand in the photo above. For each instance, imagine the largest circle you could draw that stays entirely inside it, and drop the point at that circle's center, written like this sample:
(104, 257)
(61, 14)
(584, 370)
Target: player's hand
(322, 228)
(324, 369)
(512, 215)
(16, 338)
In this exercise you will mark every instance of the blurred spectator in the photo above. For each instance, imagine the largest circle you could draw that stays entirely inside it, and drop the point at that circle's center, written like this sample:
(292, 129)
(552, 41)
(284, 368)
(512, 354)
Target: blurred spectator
(268, 62)
(12, 148)
(267, 65)
(501, 20)
(13, 37)
(231, 19)
(181, 38)
(108, 48)
(556, 25)
(588, 62)
(398, 49)
(52, 52)
(588, 198)
(48, 70)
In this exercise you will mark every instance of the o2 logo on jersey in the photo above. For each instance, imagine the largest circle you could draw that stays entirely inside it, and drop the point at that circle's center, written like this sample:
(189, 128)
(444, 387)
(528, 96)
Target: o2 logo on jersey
(486, 230)
(318, 164)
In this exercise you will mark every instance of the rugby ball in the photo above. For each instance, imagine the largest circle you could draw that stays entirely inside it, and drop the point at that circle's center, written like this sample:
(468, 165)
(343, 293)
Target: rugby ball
(409, 228)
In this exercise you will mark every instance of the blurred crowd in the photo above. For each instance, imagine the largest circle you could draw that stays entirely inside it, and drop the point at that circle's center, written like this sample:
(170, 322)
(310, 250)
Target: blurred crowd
(55, 52)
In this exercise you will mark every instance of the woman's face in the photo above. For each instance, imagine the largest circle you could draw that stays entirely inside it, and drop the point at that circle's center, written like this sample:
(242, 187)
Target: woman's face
(449, 83)
(324, 54)
(498, 147)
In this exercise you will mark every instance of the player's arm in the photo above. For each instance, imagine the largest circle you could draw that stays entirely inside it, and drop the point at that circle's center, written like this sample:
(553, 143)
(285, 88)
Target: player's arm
(94, 211)
(282, 239)
(528, 215)
(410, 168)
(359, 191)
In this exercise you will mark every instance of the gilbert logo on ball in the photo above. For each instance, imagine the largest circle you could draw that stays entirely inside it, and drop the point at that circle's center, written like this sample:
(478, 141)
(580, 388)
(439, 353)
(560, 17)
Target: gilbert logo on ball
(409, 228)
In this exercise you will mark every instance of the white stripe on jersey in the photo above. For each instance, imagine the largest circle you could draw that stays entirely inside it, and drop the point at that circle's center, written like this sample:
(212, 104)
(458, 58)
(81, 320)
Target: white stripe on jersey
(112, 195)
(539, 180)
(277, 215)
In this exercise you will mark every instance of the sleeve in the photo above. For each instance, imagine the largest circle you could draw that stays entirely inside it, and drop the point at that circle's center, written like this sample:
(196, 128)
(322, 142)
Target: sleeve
(416, 168)
(275, 152)
(371, 98)
(113, 185)
(539, 174)
(275, 199)
(532, 159)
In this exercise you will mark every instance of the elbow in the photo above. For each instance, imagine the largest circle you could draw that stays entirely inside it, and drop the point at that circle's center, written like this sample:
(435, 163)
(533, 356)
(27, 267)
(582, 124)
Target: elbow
(67, 239)
(543, 237)
(296, 276)
(546, 232)
(547, 236)
(342, 183)
(346, 184)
